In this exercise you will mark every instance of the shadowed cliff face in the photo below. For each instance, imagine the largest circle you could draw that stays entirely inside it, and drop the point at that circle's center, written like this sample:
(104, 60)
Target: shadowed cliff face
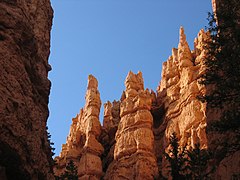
(24, 88)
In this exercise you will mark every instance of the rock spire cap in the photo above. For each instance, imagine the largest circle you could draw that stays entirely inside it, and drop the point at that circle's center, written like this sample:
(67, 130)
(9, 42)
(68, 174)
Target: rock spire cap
(134, 81)
(92, 82)
(182, 36)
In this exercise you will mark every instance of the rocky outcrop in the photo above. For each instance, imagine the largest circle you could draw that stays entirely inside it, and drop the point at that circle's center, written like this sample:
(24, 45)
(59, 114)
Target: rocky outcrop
(136, 130)
(24, 89)
(82, 144)
(176, 106)
(133, 153)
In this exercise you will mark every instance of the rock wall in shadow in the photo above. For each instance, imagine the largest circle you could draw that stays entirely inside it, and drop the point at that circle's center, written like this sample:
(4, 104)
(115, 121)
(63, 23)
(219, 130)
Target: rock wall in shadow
(24, 88)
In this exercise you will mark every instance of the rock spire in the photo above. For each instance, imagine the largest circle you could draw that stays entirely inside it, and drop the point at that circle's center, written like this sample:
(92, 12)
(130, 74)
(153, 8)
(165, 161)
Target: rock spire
(82, 144)
(133, 154)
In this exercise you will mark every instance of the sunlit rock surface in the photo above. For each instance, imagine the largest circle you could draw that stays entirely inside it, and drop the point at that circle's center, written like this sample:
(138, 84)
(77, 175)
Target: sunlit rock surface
(134, 153)
(176, 108)
(136, 129)
(82, 144)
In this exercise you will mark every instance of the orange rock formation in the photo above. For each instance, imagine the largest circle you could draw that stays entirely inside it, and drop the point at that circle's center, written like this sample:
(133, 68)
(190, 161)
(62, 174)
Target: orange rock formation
(82, 144)
(176, 98)
(133, 154)
(137, 128)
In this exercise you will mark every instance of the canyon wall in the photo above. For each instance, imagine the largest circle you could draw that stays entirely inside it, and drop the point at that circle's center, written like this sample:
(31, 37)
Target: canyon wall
(224, 144)
(136, 129)
(24, 89)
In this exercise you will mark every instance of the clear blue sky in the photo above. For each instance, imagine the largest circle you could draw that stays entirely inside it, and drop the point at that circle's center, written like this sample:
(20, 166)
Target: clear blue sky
(108, 38)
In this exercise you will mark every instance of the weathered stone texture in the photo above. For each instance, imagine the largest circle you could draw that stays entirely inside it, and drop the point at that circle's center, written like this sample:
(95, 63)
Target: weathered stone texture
(133, 153)
(24, 88)
(110, 125)
(82, 144)
(136, 129)
(176, 106)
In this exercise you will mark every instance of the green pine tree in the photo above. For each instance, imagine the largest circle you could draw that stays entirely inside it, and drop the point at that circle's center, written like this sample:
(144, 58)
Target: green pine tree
(70, 172)
(176, 158)
(197, 163)
(187, 164)
(222, 77)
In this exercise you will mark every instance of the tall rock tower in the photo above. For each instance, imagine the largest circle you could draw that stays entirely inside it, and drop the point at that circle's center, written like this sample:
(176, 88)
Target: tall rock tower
(134, 153)
(24, 89)
(82, 146)
(177, 109)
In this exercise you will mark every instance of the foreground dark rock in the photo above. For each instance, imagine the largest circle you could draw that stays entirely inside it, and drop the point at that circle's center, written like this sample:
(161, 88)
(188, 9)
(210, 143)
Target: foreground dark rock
(24, 89)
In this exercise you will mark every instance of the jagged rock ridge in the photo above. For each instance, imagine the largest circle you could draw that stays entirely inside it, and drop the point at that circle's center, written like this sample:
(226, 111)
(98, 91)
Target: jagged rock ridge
(182, 112)
(136, 129)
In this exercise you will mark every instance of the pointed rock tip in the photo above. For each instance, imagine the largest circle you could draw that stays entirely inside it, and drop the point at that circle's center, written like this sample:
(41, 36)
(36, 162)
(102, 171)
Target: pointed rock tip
(181, 29)
(139, 74)
(108, 102)
(182, 36)
(92, 82)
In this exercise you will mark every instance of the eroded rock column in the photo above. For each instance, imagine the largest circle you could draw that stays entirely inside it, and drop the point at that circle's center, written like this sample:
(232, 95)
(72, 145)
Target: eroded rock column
(82, 144)
(90, 165)
(133, 154)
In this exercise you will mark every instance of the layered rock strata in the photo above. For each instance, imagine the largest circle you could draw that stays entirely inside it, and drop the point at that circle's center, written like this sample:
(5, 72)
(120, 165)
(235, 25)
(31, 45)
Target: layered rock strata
(24, 89)
(82, 142)
(178, 89)
(133, 154)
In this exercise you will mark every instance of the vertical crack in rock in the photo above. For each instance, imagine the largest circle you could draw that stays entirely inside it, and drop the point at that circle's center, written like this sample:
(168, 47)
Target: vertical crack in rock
(110, 125)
